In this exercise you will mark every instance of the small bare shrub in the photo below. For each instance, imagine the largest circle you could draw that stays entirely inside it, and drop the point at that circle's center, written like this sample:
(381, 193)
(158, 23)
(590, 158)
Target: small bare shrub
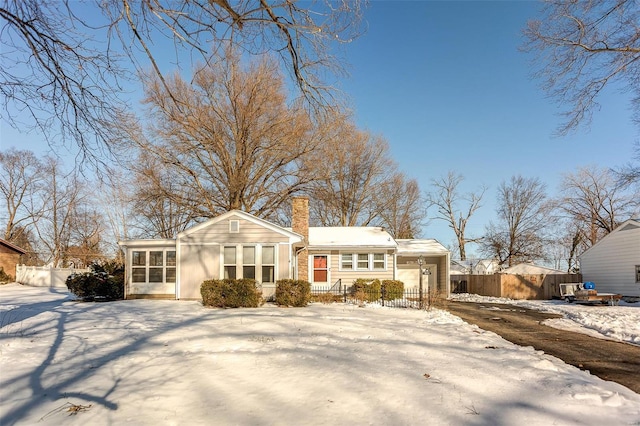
(227, 293)
(296, 293)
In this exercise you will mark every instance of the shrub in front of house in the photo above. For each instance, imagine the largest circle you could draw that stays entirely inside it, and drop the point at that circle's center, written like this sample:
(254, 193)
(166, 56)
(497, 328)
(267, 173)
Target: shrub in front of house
(4, 277)
(393, 289)
(366, 289)
(105, 281)
(228, 293)
(296, 293)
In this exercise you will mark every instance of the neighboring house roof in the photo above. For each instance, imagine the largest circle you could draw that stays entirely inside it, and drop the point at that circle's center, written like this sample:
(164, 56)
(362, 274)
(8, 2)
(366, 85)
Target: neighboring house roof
(420, 247)
(627, 225)
(350, 236)
(529, 269)
(12, 246)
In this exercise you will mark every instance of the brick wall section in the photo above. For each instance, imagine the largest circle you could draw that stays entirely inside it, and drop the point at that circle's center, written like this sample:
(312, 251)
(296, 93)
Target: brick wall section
(300, 225)
(8, 260)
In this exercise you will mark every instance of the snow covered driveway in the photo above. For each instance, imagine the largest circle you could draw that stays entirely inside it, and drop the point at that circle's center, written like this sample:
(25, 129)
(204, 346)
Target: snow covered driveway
(174, 362)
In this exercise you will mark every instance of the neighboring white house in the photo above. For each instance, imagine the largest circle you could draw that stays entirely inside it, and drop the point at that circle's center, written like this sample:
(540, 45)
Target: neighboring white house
(613, 263)
(239, 245)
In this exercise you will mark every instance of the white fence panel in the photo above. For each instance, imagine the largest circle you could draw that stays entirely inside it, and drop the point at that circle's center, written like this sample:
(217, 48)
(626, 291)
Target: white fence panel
(44, 276)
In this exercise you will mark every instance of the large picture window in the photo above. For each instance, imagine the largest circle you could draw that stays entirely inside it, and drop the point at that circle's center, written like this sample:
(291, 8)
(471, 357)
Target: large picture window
(251, 261)
(154, 266)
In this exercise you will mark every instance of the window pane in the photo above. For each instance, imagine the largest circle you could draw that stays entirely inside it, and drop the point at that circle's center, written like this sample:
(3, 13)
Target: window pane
(155, 258)
(268, 274)
(249, 272)
(378, 261)
(248, 255)
(229, 255)
(171, 275)
(347, 261)
(320, 261)
(155, 275)
(139, 258)
(230, 272)
(320, 275)
(363, 261)
(171, 258)
(138, 275)
(268, 255)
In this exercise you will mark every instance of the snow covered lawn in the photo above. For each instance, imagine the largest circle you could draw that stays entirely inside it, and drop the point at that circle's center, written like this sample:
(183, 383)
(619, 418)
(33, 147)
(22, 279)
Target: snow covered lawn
(150, 362)
(621, 323)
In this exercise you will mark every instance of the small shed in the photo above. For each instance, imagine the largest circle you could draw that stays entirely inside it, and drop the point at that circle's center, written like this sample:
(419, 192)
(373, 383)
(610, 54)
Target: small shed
(10, 257)
(613, 263)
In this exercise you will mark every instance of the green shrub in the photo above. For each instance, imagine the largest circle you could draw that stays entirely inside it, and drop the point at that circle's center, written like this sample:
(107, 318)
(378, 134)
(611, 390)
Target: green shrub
(393, 289)
(227, 293)
(103, 282)
(296, 293)
(4, 277)
(366, 289)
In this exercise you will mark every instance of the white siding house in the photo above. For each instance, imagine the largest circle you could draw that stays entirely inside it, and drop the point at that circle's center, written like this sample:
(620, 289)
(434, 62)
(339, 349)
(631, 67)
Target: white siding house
(239, 245)
(613, 263)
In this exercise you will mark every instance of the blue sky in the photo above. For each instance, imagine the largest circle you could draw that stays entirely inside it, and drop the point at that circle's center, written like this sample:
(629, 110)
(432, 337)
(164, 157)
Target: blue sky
(445, 84)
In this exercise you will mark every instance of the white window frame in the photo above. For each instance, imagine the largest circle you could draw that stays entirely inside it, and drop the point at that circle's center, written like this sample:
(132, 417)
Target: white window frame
(257, 265)
(147, 265)
(371, 261)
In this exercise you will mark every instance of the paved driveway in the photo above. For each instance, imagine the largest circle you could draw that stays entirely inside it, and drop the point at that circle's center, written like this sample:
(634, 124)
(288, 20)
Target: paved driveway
(609, 360)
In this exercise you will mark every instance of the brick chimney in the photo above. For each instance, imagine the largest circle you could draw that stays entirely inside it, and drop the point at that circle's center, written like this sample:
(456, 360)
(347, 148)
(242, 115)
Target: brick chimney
(300, 225)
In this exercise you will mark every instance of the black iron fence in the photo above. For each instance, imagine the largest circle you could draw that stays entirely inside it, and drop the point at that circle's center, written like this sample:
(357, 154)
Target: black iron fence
(409, 298)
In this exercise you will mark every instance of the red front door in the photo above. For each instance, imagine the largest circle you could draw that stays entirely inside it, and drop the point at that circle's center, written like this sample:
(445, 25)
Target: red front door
(320, 269)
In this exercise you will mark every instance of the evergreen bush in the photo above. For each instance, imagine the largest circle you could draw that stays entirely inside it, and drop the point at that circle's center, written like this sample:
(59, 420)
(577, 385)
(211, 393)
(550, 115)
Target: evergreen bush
(296, 293)
(366, 289)
(393, 289)
(105, 281)
(231, 293)
(4, 277)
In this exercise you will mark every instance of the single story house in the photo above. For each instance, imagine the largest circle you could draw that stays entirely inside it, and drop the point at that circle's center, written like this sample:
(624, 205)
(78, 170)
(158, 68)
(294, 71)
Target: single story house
(10, 257)
(613, 263)
(237, 244)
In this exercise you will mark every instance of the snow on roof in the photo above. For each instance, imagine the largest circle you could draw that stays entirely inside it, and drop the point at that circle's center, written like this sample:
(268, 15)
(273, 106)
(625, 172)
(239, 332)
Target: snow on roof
(350, 236)
(418, 247)
(529, 269)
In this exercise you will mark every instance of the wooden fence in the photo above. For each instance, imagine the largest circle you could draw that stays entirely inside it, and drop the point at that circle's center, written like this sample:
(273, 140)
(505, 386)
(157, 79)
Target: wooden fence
(528, 287)
(43, 276)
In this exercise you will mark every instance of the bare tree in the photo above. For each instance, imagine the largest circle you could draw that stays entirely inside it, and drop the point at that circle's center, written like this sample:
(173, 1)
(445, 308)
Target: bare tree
(518, 235)
(65, 63)
(153, 201)
(401, 207)
(228, 140)
(350, 170)
(583, 47)
(446, 197)
(595, 202)
(20, 180)
(60, 202)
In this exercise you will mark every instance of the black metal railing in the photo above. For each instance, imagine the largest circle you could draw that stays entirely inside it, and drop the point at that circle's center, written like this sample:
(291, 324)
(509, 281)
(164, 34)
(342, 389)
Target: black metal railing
(409, 298)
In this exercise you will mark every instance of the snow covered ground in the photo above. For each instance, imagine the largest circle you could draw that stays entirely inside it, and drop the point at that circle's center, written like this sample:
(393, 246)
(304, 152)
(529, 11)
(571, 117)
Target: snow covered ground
(145, 362)
(621, 323)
